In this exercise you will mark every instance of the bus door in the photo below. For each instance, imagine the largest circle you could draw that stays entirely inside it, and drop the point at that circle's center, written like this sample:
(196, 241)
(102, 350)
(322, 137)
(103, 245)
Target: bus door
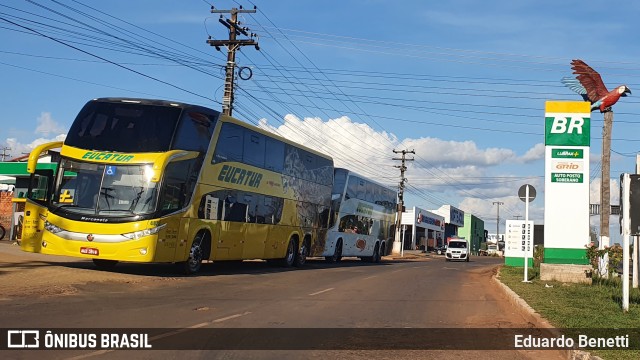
(256, 230)
(167, 245)
(35, 210)
(230, 242)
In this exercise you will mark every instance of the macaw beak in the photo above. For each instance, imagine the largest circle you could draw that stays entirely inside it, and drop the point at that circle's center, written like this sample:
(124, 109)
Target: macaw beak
(626, 91)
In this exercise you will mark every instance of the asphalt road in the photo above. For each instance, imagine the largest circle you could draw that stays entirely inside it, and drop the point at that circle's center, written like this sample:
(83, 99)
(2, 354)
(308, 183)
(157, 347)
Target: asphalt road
(396, 294)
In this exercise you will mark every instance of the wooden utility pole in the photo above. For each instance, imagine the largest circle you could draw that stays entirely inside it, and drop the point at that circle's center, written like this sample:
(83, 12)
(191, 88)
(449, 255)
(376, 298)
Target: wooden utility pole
(232, 45)
(605, 186)
(398, 240)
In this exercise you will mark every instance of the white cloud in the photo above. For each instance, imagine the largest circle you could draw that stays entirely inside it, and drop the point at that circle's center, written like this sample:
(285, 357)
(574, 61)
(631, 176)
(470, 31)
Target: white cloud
(46, 125)
(449, 153)
(533, 154)
(594, 192)
(19, 149)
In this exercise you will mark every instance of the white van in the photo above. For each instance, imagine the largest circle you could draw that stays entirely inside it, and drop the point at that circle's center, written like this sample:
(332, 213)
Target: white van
(458, 249)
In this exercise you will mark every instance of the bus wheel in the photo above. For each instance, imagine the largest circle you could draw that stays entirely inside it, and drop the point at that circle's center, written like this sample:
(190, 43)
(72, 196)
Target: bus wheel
(337, 253)
(196, 255)
(104, 263)
(301, 256)
(290, 256)
(376, 255)
(383, 250)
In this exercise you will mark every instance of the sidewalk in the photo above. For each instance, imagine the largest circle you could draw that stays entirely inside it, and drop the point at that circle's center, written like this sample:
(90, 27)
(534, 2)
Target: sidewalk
(412, 255)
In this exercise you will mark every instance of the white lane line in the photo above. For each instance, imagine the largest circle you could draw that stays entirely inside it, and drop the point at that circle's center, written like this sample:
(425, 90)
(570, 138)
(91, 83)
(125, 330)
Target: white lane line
(372, 276)
(230, 317)
(170, 333)
(321, 291)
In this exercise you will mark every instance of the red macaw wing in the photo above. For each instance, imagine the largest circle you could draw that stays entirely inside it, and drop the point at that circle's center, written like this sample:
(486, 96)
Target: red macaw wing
(590, 79)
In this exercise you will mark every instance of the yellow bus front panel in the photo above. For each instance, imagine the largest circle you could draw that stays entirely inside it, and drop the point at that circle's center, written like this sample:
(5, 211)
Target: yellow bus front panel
(141, 241)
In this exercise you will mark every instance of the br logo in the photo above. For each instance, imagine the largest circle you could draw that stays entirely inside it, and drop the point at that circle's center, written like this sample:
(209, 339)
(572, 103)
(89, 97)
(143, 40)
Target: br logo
(563, 125)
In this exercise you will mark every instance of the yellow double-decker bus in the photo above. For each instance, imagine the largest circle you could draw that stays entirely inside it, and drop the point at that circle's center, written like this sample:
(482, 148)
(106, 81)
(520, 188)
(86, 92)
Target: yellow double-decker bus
(158, 181)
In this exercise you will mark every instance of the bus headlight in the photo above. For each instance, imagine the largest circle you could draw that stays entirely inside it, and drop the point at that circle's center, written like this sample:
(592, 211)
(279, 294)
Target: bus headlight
(142, 233)
(52, 228)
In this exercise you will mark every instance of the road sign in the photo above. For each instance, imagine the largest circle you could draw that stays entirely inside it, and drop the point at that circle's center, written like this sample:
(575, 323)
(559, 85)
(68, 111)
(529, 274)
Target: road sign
(522, 192)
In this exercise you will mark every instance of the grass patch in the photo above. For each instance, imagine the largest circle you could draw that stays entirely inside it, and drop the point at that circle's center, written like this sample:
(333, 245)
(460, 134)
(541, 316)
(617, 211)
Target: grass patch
(575, 306)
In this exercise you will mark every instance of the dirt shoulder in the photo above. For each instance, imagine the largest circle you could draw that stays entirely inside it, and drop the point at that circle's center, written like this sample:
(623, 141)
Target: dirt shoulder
(24, 274)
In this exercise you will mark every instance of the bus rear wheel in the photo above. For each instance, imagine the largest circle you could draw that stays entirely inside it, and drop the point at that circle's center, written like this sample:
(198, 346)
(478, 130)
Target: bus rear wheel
(376, 255)
(290, 256)
(104, 263)
(301, 256)
(337, 254)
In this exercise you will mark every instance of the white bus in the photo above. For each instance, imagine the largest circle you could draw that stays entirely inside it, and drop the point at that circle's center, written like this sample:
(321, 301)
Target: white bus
(362, 218)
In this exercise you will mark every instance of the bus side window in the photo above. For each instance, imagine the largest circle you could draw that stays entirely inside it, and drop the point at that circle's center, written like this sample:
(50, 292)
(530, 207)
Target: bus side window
(274, 159)
(178, 185)
(254, 149)
(230, 144)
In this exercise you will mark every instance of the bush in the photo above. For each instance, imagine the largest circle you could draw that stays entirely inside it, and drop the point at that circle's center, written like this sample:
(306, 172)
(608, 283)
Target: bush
(614, 253)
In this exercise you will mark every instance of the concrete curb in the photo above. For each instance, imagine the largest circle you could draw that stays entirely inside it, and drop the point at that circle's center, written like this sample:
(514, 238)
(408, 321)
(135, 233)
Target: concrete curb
(516, 300)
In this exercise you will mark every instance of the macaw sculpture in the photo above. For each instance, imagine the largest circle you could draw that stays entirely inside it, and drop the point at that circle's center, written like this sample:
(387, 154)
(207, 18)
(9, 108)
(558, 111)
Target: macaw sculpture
(588, 83)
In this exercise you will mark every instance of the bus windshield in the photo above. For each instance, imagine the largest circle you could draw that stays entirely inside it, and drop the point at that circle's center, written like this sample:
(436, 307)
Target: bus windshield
(124, 127)
(107, 190)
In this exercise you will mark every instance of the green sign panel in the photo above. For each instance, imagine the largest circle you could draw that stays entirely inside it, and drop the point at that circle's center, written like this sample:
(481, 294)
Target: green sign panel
(573, 178)
(567, 153)
(572, 131)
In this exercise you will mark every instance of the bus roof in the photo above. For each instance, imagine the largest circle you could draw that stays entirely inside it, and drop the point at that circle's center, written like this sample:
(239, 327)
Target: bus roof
(365, 177)
(222, 118)
(156, 102)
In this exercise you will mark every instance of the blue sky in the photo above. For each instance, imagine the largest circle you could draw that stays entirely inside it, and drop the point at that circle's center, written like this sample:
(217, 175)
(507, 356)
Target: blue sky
(463, 83)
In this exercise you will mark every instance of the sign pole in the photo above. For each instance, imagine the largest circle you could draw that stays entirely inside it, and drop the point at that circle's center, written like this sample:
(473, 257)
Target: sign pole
(404, 227)
(526, 229)
(626, 230)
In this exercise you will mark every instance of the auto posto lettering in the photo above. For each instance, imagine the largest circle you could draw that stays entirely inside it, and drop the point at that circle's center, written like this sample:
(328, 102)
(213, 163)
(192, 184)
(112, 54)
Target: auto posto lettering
(239, 176)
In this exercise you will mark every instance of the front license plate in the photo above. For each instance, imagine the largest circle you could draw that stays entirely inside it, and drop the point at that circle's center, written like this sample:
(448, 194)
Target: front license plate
(89, 251)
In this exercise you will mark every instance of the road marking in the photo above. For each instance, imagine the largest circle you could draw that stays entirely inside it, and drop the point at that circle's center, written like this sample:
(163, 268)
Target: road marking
(372, 276)
(448, 268)
(395, 271)
(321, 291)
(230, 317)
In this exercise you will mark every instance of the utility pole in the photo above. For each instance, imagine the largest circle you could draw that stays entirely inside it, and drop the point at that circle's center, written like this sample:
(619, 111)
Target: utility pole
(4, 152)
(498, 221)
(398, 245)
(605, 206)
(232, 45)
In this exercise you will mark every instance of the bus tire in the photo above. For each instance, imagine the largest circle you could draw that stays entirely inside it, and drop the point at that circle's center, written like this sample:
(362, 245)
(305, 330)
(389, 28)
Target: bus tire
(337, 253)
(301, 256)
(383, 249)
(290, 256)
(196, 255)
(104, 264)
(376, 254)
